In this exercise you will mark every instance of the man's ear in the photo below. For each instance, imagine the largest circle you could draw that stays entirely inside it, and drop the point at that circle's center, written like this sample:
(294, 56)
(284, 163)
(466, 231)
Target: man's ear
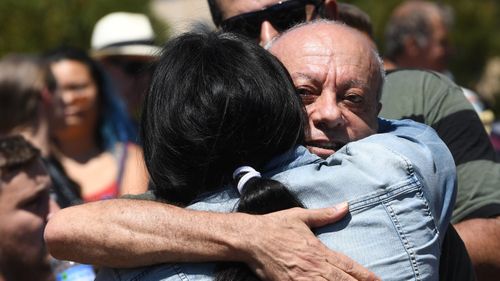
(331, 11)
(411, 47)
(267, 33)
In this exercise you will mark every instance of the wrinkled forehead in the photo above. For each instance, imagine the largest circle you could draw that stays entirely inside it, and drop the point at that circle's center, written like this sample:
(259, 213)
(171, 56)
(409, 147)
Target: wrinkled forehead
(324, 41)
(323, 52)
(231, 8)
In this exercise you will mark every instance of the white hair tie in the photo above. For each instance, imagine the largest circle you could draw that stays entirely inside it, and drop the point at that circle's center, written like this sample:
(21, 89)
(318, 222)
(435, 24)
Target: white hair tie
(250, 173)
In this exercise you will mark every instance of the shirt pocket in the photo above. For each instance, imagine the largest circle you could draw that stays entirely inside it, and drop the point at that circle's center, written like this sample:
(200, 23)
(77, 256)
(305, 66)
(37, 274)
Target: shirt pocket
(391, 232)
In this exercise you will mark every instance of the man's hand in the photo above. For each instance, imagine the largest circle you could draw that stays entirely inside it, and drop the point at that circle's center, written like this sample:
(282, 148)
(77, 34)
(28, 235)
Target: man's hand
(283, 247)
(277, 246)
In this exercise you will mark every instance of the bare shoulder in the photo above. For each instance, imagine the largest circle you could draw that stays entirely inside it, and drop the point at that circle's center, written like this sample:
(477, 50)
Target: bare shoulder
(135, 174)
(134, 152)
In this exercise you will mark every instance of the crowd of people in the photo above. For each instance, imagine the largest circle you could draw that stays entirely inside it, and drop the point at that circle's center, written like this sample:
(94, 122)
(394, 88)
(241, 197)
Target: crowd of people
(281, 146)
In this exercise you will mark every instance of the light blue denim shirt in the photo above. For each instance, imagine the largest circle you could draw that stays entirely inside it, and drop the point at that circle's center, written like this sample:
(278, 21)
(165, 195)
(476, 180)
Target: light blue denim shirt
(400, 185)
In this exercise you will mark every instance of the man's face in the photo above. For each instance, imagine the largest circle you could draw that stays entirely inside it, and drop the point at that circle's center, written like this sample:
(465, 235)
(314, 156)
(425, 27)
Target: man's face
(76, 104)
(336, 73)
(278, 15)
(24, 207)
(436, 54)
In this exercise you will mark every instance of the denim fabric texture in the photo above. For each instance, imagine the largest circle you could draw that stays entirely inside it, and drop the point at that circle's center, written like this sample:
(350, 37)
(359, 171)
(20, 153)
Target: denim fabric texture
(400, 185)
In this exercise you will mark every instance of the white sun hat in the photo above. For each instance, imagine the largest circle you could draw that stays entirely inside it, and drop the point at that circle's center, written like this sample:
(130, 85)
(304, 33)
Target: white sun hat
(122, 33)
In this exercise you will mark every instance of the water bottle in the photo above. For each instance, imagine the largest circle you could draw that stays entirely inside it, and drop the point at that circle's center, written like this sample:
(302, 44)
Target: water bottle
(72, 271)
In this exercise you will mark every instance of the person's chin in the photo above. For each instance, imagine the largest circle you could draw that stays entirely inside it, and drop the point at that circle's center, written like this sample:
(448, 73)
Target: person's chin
(321, 152)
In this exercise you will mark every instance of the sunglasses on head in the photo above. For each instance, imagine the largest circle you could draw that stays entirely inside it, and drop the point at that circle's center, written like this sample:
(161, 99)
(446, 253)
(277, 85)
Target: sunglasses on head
(282, 16)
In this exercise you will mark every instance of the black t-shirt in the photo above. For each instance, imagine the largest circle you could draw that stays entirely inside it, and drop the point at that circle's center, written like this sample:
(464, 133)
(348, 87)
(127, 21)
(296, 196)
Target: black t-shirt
(434, 100)
(65, 190)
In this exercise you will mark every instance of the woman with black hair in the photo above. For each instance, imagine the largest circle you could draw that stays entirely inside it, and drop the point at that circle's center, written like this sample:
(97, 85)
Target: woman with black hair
(92, 135)
(222, 128)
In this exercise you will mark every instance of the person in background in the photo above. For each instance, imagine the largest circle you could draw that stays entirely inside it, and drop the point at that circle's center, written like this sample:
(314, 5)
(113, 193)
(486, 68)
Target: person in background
(124, 43)
(488, 88)
(417, 36)
(25, 206)
(27, 90)
(90, 129)
(355, 18)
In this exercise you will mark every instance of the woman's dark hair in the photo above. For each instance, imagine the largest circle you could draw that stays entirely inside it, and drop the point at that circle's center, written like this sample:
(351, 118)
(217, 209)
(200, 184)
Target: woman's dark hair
(259, 196)
(218, 102)
(114, 124)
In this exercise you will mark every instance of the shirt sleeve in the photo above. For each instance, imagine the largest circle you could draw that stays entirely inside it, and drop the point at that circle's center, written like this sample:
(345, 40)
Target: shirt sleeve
(434, 100)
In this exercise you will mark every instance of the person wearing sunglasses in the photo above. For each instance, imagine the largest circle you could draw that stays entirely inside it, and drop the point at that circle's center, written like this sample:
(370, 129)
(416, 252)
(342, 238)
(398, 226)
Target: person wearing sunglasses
(262, 20)
(124, 43)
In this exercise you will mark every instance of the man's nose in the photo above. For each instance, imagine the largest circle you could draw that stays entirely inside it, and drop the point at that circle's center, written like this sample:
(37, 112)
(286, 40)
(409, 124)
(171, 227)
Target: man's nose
(267, 33)
(325, 112)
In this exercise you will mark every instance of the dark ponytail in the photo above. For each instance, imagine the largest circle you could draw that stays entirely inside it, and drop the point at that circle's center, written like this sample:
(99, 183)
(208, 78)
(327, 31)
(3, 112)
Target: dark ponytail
(259, 196)
(262, 196)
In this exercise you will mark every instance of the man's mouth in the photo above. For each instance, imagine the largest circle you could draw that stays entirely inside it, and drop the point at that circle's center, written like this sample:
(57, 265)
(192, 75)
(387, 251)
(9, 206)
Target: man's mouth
(324, 149)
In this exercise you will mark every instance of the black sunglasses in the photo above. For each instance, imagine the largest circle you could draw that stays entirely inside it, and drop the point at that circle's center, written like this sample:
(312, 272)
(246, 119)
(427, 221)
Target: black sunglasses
(130, 67)
(282, 16)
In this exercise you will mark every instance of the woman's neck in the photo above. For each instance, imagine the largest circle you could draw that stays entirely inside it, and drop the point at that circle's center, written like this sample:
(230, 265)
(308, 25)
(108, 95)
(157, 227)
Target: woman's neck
(80, 148)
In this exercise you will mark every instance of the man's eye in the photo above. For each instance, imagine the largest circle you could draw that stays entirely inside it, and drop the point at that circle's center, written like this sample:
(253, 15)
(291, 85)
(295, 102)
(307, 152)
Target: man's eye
(307, 96)
(353, 98)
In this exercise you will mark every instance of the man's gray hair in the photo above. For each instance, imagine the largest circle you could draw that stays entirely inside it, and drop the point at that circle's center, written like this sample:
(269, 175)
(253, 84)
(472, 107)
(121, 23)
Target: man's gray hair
(376, 56)
(413, 21)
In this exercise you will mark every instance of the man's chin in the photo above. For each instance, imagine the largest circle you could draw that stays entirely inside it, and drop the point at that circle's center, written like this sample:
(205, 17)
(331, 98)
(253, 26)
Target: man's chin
(321, 152)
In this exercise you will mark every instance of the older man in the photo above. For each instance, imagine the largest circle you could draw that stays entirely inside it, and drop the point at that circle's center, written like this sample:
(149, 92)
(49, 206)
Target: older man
(417, 37)
(422, 96)
(339, 85)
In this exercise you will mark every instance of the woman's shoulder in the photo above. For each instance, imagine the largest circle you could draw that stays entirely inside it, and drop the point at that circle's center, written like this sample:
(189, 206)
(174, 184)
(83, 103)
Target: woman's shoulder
(135, 177)
(134, 150)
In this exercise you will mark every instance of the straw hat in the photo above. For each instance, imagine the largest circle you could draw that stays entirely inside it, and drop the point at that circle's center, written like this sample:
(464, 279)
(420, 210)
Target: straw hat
(122, 33)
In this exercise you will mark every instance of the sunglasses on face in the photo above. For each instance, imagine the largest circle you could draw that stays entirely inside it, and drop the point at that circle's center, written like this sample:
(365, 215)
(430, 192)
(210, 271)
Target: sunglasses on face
(130, 67)
(282, 16)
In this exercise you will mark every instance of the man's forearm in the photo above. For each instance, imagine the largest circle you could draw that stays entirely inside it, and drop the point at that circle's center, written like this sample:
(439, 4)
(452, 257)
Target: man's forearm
(110, 232)
(482, 240)
(131, 233)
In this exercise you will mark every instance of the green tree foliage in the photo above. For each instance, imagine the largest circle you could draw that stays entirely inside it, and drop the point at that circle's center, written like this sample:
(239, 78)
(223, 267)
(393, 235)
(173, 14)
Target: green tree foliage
(38, 25)
(475, 35)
